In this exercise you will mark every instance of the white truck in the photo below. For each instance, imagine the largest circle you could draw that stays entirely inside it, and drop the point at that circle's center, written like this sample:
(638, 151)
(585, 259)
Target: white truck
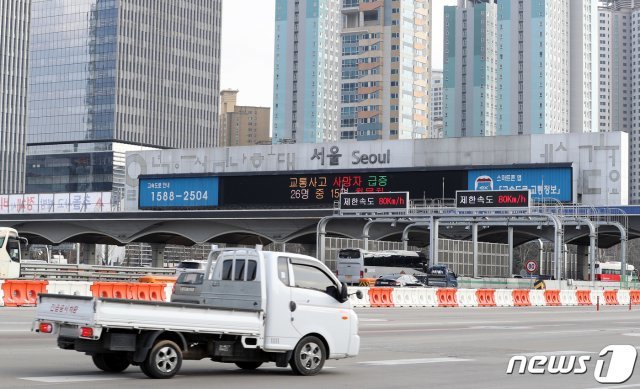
(10, 253)
(257, 306)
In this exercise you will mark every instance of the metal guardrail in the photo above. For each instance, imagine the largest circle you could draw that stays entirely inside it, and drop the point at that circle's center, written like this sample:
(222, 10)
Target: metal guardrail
(31, 270)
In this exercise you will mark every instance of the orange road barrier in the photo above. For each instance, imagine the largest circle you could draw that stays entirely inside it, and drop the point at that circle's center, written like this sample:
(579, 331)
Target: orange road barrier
(486, 297)
(118, 290)
(381, 297)
(18, 293)
(552, 297)
(447, 297)
(635, 297)
(147, 291)
(584, 297)
(367, 282)
(151, 279)
(521, 298)
(611, 297)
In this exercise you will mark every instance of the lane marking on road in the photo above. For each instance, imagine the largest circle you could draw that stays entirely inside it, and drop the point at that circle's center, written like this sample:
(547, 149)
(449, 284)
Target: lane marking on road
(72, 378)
(632, 334)
(411, 330)
(369, 320)
(449, 323)
(556, 353)
(579, 331)
(393, 362)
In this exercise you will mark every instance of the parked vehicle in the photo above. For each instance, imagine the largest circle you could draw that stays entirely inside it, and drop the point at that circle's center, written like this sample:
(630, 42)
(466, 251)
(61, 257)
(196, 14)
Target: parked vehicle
(354, 264)
(188, 287)
(257, 306)
(441, 276)
(398, 280)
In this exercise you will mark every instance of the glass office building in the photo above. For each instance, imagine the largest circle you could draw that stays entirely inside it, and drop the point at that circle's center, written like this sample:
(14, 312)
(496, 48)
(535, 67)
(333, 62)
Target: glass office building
(108, 76)
(14, 51)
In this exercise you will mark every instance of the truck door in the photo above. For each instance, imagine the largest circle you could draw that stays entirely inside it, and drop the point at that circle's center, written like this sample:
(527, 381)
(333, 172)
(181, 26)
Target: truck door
(279, 332)
(315, 307)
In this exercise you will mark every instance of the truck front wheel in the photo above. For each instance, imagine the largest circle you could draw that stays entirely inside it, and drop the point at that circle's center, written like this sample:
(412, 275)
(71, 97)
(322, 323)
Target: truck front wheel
(308, 356)
(111, 362)
(164, 360)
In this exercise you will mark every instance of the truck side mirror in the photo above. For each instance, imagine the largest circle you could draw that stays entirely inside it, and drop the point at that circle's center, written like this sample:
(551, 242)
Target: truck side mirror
(344, 293)
(359, 295)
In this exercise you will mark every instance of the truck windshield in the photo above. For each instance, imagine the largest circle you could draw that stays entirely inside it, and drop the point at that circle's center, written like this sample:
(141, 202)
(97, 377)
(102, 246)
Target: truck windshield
(13, 248)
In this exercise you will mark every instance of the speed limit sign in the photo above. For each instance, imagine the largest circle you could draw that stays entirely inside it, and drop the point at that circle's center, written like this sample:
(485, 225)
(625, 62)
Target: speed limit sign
(531, 266)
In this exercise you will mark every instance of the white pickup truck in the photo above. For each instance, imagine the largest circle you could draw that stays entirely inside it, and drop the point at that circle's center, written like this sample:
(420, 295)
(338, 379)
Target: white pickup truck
(257, 306)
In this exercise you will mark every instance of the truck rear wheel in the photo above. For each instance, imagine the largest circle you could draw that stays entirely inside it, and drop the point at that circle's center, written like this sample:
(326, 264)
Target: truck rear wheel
(164, 360)
(308, 356)
(248, 365)
(111, 362)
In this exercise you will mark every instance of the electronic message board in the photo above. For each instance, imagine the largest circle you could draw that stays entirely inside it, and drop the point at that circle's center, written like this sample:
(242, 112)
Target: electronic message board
(546, 182)
(178, 192)
(316, 189)
(376, 200)
(492, 198)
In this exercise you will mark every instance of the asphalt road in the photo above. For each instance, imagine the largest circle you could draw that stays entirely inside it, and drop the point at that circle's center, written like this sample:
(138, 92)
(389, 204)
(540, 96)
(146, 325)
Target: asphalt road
(401, 348)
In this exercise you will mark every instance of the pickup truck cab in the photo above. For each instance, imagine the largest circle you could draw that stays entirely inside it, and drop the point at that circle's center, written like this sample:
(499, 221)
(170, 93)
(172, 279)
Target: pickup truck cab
(441, 276)
(255, 307)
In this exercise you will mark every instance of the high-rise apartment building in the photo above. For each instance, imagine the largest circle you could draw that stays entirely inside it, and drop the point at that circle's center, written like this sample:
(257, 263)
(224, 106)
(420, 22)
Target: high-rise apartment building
(306, 82)
(583, 76)
(242, 125)
(536, 75)
(386, 66)
(615, 59)
(634, 152)
(533, 67)
(436, 104)
(14, 54)
(619, 43)
(470, 68)
(111, 76)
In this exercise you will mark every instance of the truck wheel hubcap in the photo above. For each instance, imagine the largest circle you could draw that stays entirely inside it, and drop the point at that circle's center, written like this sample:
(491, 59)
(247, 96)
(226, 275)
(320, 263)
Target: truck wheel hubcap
(166, 359)
(310, 356)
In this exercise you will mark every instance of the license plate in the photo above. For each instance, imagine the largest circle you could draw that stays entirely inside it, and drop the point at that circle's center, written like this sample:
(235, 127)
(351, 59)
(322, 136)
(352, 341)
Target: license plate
(187, 289)
(348, 278)
(68, 332)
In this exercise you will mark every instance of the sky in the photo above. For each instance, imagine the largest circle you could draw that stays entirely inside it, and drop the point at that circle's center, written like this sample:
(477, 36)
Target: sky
(247, 48)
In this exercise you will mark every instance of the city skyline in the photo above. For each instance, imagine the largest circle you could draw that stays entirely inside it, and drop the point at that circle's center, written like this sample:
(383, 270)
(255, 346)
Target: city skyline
(248, 45)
